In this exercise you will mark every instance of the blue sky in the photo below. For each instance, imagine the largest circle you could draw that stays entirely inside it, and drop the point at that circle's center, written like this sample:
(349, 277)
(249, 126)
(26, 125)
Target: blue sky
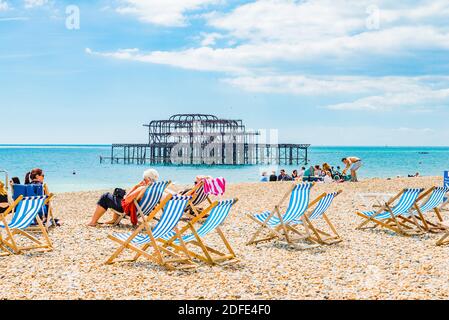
(340, 72)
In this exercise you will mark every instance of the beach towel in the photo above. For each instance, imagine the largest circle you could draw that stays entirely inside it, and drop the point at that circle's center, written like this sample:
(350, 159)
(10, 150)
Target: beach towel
(216, 187)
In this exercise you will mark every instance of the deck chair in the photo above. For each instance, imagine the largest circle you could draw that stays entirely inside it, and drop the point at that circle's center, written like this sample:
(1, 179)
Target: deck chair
(149, 201)
(35, 190)
(26, 211)
(218, 212)
(433, 203)
(318, 235)
(278, 225)
(393, 218)
(198, 198)
(145, 237)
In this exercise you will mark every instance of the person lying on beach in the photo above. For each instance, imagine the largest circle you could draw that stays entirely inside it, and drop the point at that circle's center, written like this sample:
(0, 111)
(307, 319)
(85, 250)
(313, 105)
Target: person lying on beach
(122, 202)
(353, 164)
(3, 198)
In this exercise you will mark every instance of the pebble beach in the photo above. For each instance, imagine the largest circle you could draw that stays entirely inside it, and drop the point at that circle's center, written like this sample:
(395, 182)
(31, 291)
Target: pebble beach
(368, 264)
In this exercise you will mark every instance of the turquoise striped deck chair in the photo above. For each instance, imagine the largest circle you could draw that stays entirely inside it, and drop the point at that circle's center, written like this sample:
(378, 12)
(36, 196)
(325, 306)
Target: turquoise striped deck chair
(392, 217)
(218, 212)
(25, 211)
(278, 225)
(145, 237)
(149, 201)
(434, 198)
(319, 235)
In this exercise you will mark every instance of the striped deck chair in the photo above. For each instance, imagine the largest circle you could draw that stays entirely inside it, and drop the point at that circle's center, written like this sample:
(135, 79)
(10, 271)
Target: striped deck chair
(278, 225)
(198, 198)
(145, 237)
(149, 201)
(433, 203)
(26, 211)
(36, 190)
(320, 236)
(392, 217)
(218, 212)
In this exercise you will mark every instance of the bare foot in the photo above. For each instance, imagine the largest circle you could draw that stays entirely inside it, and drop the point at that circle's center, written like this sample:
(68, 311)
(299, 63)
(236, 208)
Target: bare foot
(92, 224)
(110, 222)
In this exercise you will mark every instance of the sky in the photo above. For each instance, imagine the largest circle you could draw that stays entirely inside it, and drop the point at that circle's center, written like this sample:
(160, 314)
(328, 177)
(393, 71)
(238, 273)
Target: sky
(325, 72)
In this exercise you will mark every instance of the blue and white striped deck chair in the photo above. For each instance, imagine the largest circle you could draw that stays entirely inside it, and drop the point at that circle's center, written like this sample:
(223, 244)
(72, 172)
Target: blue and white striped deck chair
(145, 237)
(149, 201)
(274, 221)
(218, 212)
(25, 213)
(390, 217)
(320, 236)
(199, 197)
(432, 203)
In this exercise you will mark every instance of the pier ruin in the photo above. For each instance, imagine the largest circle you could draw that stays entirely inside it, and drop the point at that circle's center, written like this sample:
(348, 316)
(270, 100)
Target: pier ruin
(203, 139)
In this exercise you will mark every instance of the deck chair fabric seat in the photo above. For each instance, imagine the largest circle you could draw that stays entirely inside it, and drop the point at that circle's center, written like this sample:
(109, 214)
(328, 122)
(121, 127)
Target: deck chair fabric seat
(299, 202)
(320, 208)
(165, 225)
(216, 217)
(149, 201)
(25, 213)
(435, 200)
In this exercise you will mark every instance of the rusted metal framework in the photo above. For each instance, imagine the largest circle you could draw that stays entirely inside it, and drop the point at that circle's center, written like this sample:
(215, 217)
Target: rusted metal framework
(199, 139)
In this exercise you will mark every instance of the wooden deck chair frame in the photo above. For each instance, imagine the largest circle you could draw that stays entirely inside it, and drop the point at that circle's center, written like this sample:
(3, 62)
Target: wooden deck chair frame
(281, 232)
(318, 235)
(4, 251)
(10, 241)
(210, 255)
(140, 214)
(398, 224)
(423, 223)
(159, 251)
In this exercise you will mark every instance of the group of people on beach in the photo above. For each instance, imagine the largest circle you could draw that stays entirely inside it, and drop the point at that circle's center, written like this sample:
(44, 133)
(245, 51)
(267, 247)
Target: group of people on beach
(324, 173)
(35, 176)
(123, 202)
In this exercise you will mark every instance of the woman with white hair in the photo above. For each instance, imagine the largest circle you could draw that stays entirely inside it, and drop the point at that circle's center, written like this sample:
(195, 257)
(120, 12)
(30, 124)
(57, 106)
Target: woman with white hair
(120, 200)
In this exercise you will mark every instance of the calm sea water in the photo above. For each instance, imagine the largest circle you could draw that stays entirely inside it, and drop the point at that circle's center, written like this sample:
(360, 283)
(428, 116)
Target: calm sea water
(59, 163)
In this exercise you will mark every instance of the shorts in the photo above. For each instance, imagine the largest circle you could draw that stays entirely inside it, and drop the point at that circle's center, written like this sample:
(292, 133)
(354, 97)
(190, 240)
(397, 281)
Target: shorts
(355, 166)
(109, 201)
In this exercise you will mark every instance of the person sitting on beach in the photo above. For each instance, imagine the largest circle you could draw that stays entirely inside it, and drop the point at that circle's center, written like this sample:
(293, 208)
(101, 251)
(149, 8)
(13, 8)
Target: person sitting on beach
(35, 176)
(295, 174)
(353, 164)
(327, 178)
(4, 204)
(283, 176)
(273, 177)
(301, 172)
(317, 171)
(264, 177)
(121, 202)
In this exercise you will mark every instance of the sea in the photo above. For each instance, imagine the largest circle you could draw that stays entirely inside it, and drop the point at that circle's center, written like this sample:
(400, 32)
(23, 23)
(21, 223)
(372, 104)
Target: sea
(77, 167)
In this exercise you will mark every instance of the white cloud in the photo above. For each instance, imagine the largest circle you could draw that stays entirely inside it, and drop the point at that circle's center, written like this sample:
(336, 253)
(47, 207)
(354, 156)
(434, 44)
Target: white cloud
(163, 12)
(3, 5)
(34, 3)
(268, 39)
